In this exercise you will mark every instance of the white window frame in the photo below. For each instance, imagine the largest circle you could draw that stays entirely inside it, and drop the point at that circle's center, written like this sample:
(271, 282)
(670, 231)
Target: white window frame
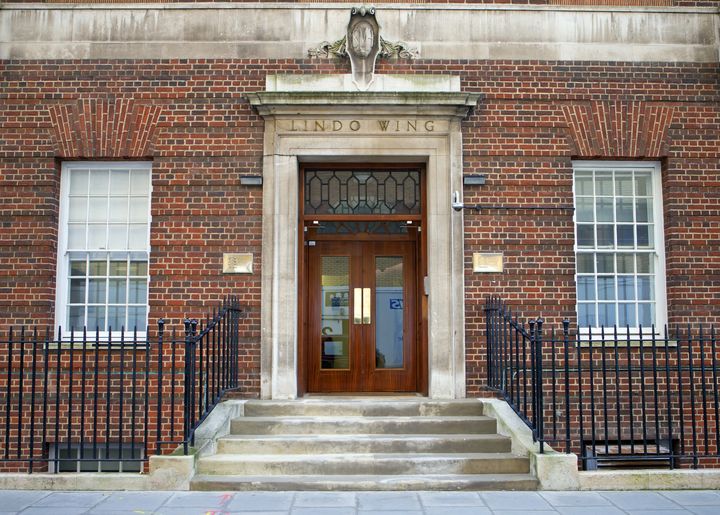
(659, 250)
(63, 261)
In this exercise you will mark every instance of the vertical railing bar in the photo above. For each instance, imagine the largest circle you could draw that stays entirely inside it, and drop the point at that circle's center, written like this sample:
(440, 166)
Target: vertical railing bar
(516, 372)
(668, 394)
(121, 420)
(146, 407)
(554, 389)
(133, 394)
(8, 399)
(540, 379)
(21, 387)
(604, 389)
(618, 411)
(96, 392)
(581, 427)
(186, 388)
(158, 420)
(533, 378)
(32, 400)
(693, 413)
(71, 363)
(591, 375)
(656, 387)
(108, 375)
(524, 370)
(681, 403)
(173, 355)
(46, 372)
(566, 344)
(701, 347)
(716, 389)
(643, 404)
(201, 385)
(83, 377)
(630, 390)
(212, 351)
(57, 402)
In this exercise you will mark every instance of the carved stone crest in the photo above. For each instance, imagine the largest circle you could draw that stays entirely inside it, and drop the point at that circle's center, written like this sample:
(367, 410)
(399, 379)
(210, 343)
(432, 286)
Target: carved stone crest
(362, 45)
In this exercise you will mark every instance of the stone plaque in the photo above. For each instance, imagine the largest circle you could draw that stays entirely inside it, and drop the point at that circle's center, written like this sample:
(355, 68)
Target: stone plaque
(484, 262)
(237, 263)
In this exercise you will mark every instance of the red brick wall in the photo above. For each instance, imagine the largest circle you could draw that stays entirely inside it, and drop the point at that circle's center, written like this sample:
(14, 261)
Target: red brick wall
(190, 118)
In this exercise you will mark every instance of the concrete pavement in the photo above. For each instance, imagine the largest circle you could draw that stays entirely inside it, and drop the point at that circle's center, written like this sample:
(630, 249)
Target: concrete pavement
(357, 503)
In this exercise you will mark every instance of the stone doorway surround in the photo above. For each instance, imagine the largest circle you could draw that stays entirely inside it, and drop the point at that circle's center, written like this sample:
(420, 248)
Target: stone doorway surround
(402, 118)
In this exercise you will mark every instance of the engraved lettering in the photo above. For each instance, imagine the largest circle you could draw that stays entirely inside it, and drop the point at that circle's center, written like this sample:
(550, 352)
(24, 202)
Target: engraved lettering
(383, 124)
(292, 126)
(429, 126)
(354, 125)
(412, 125)
(320, 125)
(397, 125)
(337, 125)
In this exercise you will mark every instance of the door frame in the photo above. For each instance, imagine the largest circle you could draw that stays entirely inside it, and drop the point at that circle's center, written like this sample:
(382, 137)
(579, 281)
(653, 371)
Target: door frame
(421, 315)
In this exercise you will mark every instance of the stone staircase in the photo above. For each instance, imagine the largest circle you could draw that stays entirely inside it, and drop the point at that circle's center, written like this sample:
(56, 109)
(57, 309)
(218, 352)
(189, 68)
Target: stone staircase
(363, 444)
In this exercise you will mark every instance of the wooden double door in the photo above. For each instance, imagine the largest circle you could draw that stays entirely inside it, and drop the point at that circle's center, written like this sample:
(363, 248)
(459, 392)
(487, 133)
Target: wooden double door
(362, 309)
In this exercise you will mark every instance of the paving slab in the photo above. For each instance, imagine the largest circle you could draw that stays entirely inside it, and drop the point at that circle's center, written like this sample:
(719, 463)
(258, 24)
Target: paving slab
(340, 510)
(430, 499)
(581, 499)
(260, 501)
(658, 512)
(589, 510)
(530, 501)
(640, 501)
(85, 500)
(704, 510)
(694, 498)
(458, 510)
(325, 499)
(389, 501)
(55, 510)
(15, 500)
(133, 501)
(208, 500)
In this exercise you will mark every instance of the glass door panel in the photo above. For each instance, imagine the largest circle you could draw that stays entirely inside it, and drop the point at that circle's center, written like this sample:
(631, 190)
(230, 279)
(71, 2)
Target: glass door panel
(389, 312)
(335, 314)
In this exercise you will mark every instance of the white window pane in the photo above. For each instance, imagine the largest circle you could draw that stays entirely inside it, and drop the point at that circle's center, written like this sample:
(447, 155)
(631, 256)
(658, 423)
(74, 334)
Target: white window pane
(137, 291)
(606, 288)
(97, 236)
(139, 209)
(116, 317)
(626, 263)
(643, 186)
(98, 209)
(138, 236)
(624, 210)
(137, 318)
(78, 209)
(646, 314)
(96, 291)
(78, 182)
(586, 315)
(117, 236)
(605, 263)
(606, 315)
(605, 209)
(626, 288)
(76, 317)
(586, 288)
(116, 291)
(99, 182)
(623, 184)
(586, 235)
(119, 209)
(643, 210)
(96, 318)
(77, 291)
(585, 263)
(605, 236)
(626, 236)
(645, 236)
(626, 315)
(645, 264)
(76, 236)
(604, 183)
(583, 183)
(119, 182)
(585, 210)
(140, 181)
(646, 288)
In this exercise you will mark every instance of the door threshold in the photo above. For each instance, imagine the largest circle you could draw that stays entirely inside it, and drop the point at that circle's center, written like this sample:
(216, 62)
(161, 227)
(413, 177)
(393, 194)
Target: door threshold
(366, 395)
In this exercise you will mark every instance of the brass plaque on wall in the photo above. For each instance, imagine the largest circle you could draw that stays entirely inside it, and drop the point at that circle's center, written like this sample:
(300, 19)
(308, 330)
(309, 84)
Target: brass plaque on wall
(484, 262)
(237, 263)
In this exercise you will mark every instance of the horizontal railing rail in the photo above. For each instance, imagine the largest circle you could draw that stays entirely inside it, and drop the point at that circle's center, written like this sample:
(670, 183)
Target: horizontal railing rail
(88, 401)
(613, 394)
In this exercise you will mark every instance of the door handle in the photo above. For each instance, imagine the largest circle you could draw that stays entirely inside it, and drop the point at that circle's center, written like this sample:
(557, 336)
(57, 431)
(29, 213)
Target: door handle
(357, 306)
(366, 306)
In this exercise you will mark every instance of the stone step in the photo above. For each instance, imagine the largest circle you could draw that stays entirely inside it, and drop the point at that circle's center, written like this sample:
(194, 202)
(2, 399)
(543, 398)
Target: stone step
(362, 425)
(353, 443)
(366, 408)
(376, 464)
(366, 483)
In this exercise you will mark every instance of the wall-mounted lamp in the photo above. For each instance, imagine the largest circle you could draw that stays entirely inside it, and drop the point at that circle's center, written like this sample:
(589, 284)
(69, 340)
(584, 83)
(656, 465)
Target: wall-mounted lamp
(457, 203)
(251, 180)
(474, 180)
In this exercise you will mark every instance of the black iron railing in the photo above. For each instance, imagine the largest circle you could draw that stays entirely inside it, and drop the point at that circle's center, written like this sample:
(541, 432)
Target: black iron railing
(92, 402)
(612, 395)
